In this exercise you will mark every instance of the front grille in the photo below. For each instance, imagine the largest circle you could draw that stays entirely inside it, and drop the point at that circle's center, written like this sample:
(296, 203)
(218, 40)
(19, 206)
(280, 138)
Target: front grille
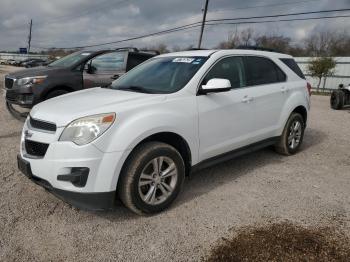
(8, 83)
(36, 148)
(11, 97)
(42, 125)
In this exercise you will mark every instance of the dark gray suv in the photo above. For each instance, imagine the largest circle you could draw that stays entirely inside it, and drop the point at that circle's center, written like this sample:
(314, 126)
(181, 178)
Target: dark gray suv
(77, 71)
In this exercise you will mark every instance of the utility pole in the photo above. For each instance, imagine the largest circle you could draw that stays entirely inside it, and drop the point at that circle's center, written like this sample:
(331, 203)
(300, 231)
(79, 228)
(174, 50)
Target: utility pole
(203, 23)
(30, 35)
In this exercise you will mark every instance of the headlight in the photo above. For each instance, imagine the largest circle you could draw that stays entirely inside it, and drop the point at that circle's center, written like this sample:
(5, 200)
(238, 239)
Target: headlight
(85, 130)
(30, 80)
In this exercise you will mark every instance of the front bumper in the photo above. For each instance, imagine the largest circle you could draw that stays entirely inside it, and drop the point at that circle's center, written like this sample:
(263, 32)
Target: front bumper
(22, 96)
(88, 201)
(57, 167)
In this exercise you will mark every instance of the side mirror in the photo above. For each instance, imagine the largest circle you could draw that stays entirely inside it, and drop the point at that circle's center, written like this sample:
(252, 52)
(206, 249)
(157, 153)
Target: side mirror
(89, 68)
(216, 85)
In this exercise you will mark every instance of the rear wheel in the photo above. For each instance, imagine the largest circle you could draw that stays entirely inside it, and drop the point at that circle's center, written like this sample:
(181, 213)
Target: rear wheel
(337, 99)
(292, 135)
(152, 178)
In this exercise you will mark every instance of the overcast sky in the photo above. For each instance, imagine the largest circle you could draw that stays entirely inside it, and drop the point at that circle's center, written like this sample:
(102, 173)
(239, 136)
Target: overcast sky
(66, 23)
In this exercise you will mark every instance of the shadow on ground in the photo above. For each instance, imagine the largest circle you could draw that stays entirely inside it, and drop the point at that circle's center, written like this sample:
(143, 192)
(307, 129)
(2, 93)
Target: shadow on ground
(203, 181)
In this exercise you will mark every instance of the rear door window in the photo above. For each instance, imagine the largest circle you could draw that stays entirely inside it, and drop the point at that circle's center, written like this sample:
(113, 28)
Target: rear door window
(261, 71)
(114, 61)
(294, 66)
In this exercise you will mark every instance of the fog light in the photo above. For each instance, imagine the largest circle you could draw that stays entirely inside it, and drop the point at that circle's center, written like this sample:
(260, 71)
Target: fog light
(78, 176)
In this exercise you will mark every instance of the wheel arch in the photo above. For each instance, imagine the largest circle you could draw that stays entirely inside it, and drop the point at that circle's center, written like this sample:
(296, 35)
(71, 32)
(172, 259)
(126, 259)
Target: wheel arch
(58, 87)
(170, 138)
(301, 110)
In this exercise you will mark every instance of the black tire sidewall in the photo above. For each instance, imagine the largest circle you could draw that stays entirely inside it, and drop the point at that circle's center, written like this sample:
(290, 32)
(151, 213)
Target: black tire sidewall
(136, 173)
(293, 117)
(334, 100)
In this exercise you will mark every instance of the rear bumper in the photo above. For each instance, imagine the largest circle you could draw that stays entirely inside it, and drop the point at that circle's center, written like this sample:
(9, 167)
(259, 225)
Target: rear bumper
(87, 201)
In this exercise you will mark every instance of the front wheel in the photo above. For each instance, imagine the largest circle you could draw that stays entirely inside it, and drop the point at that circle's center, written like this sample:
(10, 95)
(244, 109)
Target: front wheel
(292, 135)
(152, 178)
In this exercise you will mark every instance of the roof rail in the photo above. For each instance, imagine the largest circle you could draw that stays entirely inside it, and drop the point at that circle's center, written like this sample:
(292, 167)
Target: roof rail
(194, 48)
(133, 49)
(249, 47)
(150, 51)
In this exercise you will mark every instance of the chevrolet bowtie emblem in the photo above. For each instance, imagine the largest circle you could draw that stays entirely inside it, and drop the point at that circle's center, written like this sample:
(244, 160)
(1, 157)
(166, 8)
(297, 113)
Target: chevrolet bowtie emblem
(27, 134)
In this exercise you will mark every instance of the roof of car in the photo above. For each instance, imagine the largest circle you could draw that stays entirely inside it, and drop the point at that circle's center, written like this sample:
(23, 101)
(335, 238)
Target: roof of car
(206, 53)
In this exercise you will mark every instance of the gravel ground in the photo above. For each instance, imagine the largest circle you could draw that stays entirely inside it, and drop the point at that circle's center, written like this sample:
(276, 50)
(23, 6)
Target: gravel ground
(310, 188)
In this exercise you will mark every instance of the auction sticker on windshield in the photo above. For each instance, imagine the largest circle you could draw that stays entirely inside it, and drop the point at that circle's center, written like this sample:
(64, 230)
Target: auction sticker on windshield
(183, 60)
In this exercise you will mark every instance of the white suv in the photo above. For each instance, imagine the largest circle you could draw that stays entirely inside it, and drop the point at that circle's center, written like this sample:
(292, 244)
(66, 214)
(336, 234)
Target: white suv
(139, 138)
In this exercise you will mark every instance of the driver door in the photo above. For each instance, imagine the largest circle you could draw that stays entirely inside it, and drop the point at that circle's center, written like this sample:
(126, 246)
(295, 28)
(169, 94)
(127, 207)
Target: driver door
(102, 70)
(226, 119)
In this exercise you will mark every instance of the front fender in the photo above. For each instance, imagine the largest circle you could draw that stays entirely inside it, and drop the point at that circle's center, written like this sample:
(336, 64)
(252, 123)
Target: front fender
(133, 127)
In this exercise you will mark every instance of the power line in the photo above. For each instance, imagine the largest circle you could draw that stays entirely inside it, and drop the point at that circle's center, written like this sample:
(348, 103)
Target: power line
(196, 24)
(280, 20)
(218, 23)
(268, 5)
(281, 15)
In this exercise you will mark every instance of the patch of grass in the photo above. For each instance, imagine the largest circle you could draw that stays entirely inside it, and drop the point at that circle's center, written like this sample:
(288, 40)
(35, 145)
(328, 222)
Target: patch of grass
(321, 93)
(283, 242)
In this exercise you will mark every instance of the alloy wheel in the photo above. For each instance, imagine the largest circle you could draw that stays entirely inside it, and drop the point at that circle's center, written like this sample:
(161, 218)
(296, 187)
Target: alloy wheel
(158, 180)
(295, 132)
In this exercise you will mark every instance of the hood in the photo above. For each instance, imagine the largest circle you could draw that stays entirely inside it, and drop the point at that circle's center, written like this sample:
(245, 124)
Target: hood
(64, 109)
(36, 71)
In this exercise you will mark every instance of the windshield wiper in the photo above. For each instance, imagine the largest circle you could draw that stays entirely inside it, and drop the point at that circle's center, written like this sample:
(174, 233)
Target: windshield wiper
(136, 89)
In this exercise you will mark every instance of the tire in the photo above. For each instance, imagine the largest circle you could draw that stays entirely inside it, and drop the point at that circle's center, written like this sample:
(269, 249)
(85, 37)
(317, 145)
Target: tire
(292, 135)
(56, 93)
(136, 192)
(15, 113)
(337, 99)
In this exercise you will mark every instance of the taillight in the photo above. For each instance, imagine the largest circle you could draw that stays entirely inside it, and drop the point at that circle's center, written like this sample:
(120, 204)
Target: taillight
(308, 86)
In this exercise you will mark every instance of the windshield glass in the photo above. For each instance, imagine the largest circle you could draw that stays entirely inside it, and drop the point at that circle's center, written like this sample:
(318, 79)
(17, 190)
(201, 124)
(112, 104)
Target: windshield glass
(69, 60)
(160, 75)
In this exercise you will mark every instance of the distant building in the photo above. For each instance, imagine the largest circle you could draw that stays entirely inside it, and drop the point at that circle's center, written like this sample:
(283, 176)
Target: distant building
(341, 76)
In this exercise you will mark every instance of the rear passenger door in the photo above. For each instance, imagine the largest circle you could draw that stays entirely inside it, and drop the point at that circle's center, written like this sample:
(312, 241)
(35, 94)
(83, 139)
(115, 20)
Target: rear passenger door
(268, 84)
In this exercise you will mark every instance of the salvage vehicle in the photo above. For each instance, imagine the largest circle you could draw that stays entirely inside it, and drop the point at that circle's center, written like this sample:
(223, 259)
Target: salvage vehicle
(34, 63)
(174, 114)
(77, 71)
(340, 97)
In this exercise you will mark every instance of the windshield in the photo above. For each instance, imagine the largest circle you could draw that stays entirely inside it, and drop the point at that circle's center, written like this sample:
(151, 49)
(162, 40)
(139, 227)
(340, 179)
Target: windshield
(160, 75)
(69, 60)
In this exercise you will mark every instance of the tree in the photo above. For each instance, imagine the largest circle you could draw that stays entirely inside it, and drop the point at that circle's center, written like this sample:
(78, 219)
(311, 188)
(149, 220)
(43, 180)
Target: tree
(328, 43)
(279, 43)
(161, 48)
(321, 67)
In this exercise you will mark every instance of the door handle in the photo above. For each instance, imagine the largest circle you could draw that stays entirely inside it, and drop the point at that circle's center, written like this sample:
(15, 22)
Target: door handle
(247, 99)
(115, 77)
(284, 89)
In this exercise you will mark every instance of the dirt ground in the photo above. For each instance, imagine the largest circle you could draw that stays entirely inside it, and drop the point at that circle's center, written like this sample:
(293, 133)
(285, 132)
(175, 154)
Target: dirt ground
(311, 188)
